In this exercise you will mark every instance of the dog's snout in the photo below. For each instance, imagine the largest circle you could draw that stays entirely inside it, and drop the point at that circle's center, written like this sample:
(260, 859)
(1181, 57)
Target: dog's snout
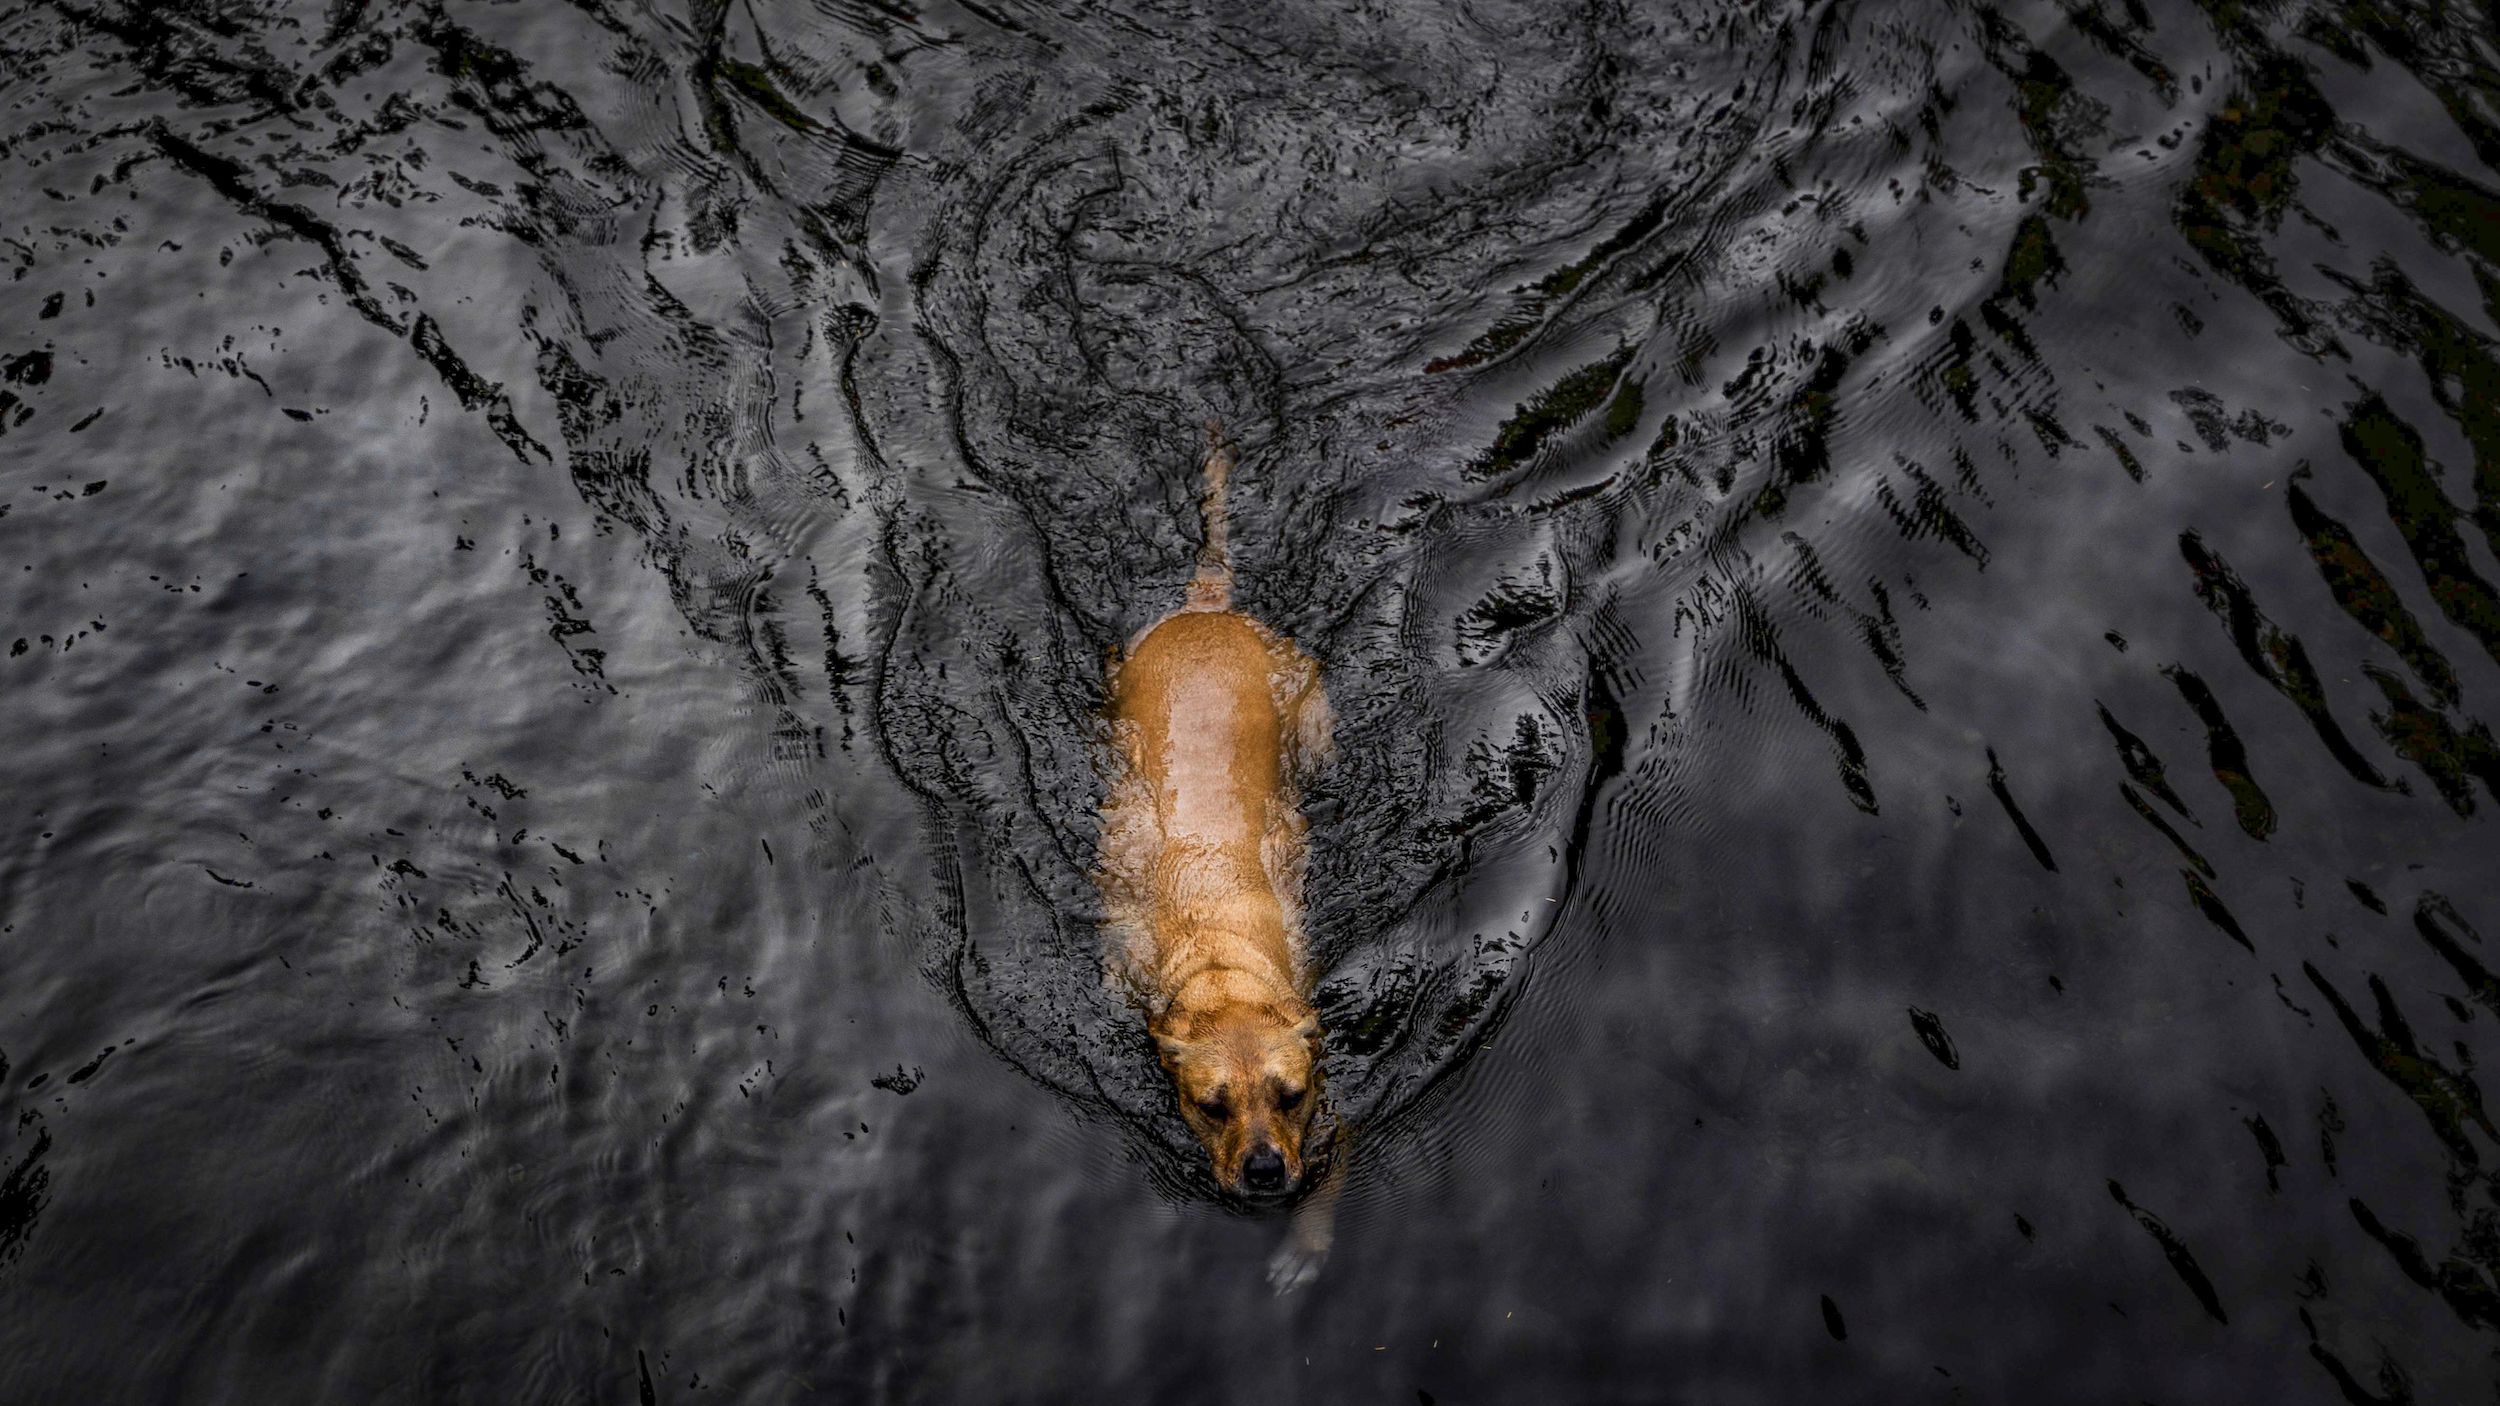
(1264, 1170)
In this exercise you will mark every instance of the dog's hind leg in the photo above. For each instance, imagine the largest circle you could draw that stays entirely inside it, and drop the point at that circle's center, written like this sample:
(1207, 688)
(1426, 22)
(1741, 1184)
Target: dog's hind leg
(1310, 724)
(1124, 859)
(1314, 728)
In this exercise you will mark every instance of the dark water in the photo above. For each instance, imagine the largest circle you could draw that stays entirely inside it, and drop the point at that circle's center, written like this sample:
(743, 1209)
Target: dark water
(1910, 592)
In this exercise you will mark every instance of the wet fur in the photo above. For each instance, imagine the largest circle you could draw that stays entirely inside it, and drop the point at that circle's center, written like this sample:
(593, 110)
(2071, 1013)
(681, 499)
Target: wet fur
(1214, 720)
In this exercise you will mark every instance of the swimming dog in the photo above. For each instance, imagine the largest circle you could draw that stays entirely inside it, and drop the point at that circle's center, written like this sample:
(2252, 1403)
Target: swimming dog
(1215, 720)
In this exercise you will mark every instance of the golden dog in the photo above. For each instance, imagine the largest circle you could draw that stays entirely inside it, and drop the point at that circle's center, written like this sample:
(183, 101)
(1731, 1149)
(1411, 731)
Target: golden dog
(1214, 719)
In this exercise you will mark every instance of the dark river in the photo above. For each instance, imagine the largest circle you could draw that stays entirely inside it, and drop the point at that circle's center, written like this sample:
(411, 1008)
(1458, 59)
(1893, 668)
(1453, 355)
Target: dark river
(1909, 590)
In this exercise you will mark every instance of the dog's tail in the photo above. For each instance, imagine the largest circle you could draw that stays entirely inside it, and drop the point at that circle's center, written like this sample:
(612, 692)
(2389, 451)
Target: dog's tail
(1212, 587)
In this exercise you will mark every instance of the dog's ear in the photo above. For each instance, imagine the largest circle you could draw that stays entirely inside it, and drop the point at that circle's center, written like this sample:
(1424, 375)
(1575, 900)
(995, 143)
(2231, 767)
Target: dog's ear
(1171, 1035)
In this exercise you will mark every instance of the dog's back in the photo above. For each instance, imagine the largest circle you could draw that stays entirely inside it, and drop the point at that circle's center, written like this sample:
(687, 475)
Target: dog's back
(1205, 734)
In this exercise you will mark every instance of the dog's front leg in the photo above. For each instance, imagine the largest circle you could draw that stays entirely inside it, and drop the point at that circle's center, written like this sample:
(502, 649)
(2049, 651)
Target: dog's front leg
(1313, 1232)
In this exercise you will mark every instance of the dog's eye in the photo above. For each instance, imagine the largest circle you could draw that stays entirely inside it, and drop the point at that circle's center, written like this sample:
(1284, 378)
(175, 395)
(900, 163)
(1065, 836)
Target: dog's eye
(1289, 1100)
(1213, 1108)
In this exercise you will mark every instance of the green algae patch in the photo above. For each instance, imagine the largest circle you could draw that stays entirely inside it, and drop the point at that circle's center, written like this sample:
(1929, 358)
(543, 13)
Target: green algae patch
(751, 82)
(1555, 409)
(2368, 596)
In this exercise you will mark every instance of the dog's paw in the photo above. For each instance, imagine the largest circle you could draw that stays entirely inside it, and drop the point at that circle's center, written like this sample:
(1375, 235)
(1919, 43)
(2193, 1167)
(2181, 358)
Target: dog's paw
(1297, 1262)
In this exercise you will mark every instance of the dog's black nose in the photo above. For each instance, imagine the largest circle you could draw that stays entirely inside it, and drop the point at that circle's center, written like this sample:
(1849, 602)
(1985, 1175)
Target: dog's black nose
(1263, 1170)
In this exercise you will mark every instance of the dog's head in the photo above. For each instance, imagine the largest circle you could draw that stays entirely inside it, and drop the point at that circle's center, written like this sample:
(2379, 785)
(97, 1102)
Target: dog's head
(1248, 1078)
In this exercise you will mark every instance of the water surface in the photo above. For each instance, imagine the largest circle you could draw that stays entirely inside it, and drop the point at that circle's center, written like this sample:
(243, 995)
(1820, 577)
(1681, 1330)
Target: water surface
(1909, 591)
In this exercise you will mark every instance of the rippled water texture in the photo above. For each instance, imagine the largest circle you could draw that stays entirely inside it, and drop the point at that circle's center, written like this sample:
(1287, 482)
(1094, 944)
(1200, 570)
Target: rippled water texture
(1909, 589)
